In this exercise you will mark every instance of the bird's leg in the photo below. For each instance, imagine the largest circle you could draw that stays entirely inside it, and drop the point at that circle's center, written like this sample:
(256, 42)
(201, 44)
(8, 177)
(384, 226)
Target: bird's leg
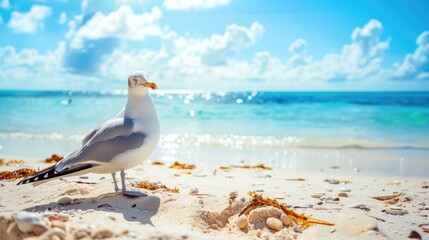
(129, 193)
(114, 181)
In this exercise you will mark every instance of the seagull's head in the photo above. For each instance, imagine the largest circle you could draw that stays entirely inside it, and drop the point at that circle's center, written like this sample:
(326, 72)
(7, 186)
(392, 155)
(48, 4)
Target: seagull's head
(138, 83)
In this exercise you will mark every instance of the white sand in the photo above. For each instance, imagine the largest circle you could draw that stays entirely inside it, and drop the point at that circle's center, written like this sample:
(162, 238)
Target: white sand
(96, 211)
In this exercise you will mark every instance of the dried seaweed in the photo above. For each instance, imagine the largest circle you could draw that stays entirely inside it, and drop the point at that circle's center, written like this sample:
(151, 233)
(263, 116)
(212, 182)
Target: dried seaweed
(150, 186)
(259, 201)
(158, 163)
(53, 159)
(258, 166)
(20, 173)
(11, 162)
(178, 165)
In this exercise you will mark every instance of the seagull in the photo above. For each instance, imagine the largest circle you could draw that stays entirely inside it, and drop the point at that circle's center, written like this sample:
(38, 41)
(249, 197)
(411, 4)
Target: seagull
(120, 143)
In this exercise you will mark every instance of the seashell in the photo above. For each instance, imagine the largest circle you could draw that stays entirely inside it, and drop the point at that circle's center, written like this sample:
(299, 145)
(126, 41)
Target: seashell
(54, 231)
(39, 228)
(58, 224)
(26, 221)
(274, 224)
(286, 220)
(193, 190)
(414, 235)
(344, 189)
(242, 222)
(65, 200)
(361, 206)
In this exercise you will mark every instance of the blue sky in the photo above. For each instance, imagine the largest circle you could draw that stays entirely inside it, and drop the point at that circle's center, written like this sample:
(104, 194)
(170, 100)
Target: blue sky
(215, 44)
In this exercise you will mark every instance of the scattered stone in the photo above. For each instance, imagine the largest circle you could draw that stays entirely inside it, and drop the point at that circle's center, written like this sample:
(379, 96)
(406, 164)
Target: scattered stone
(317, 195)
(342, 194)
(26, 221)
(84, 177)
(242, 222)
(233, 195)
(65, 200)
(260, 190)
(297, 229)
(274, 224)
(286, 220)
(414, 235)
(395, 211)
(193, 190)
(344, 189)
(332, 181)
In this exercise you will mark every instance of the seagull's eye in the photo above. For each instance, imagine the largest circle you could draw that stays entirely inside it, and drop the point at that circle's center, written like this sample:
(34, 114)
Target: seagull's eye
(135, 81)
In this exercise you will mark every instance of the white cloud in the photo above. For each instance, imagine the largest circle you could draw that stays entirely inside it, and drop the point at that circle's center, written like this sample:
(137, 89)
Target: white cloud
(415, 65)
(29, 22)
(63, 18)
(299, 53)
(5, 4)
(216, 49)
(122, 23)
(180, 5)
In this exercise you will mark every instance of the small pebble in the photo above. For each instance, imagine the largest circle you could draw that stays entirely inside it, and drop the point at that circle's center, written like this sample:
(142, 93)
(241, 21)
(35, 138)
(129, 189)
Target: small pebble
(332, 181)
(394, 211)
(65, 200)
(317, 195)
(233, 195)
(285, 220)
(242, 222)
(260, 190)
(344, 189)
(342, 194)
(274, 224)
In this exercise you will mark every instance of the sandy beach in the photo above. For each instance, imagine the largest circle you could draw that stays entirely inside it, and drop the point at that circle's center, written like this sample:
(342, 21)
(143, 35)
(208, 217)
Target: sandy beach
(209, 201)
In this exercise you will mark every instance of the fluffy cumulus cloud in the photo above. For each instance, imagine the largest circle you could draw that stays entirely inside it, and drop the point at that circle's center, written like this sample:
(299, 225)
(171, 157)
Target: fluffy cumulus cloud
(31, 21)
(5, 4)
(357, 60)
(180, 5)
(122, 23)
(63, 18)
(216, 49)
(93, 36)
(415, 65)
(299, 52)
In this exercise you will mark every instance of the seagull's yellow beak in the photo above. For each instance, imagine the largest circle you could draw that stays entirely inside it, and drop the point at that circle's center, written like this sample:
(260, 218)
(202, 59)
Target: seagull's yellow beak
(151, 85)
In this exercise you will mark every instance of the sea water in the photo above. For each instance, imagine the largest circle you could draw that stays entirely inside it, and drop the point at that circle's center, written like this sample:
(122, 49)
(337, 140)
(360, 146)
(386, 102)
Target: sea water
(293, 130)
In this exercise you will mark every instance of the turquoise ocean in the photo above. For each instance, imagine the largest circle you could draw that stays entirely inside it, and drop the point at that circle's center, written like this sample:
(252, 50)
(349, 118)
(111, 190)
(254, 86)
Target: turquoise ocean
(377, 132)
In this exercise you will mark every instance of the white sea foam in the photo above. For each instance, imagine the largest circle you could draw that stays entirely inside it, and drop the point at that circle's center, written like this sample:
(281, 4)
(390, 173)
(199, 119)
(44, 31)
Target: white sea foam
(174, 141)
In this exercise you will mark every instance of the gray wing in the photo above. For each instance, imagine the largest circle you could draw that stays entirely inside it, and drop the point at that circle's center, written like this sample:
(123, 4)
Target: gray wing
(91, 133)
(112, 139)
(89, 136)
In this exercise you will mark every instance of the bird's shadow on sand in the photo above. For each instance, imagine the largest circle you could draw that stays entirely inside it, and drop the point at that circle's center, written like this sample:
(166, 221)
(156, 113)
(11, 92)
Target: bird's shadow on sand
(140, 209)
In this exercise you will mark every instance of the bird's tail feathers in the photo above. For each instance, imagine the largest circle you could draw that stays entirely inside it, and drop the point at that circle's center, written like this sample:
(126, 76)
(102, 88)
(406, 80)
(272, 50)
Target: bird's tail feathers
(50, 173)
